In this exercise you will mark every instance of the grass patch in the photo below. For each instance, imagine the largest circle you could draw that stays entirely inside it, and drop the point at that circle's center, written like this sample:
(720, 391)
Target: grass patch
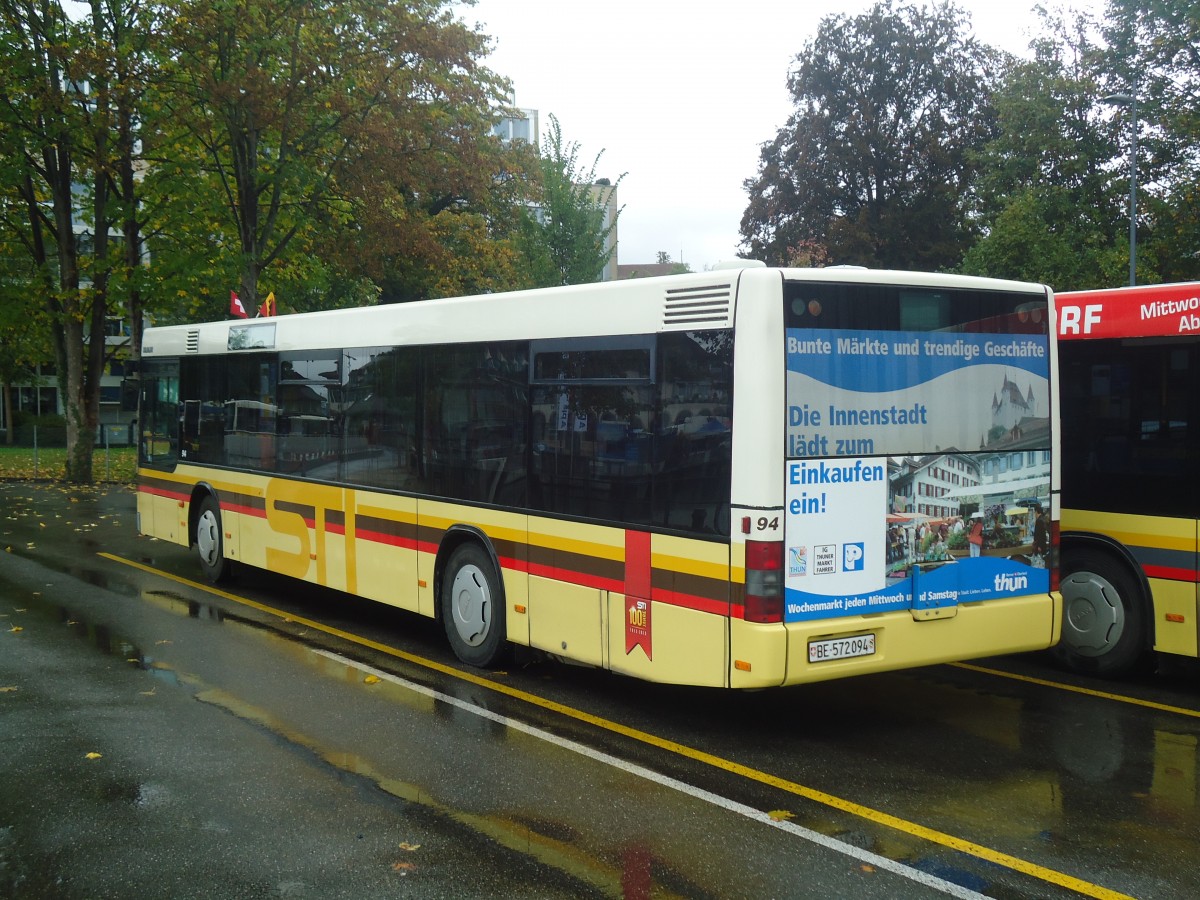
(117, 464)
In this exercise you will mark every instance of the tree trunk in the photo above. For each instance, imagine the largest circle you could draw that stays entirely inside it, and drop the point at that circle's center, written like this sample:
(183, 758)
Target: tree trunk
(80, 436)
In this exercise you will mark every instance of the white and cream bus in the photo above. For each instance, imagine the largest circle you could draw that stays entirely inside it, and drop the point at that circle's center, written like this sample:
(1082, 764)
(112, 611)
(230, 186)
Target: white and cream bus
(703, 479)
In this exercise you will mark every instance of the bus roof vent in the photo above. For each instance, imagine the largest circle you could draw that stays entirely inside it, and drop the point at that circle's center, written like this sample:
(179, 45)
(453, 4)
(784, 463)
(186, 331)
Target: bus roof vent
(193, 341)
(706, 304)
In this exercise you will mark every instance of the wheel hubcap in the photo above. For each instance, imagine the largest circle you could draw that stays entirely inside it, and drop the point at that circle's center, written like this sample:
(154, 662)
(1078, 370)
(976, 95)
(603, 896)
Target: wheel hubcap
(471, 605)
(1093, 617)
(208, 537)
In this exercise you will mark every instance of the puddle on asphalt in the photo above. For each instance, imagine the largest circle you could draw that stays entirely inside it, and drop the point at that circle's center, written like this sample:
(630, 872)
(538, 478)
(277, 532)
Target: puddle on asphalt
(547, 842)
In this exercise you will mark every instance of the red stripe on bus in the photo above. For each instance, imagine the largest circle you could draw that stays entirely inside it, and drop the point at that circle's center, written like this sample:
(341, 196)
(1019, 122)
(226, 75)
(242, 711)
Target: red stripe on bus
(392, 540)
(161, 492)
(1171, 574)
(638, 569)
(572, 577)
(691, 601)
(637, 564)
(244, 510)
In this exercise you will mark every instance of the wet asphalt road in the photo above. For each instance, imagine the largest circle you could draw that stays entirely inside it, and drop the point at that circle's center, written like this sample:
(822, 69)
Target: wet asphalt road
(160, 740)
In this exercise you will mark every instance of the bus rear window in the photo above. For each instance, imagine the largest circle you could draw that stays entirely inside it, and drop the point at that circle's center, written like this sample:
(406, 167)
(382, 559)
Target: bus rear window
(872, 307)
(897, 370)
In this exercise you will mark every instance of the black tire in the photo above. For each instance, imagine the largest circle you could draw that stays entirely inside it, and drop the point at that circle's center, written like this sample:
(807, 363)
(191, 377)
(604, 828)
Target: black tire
(1104, 616)
(473, 607)
(210, 542)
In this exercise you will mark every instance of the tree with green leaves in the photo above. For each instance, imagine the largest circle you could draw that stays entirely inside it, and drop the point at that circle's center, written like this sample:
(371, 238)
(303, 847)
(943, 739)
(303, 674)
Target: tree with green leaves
(1153, 54)
(877, 161)
(1050, 200)
(22, 322)
(566, 233)
(58, 112)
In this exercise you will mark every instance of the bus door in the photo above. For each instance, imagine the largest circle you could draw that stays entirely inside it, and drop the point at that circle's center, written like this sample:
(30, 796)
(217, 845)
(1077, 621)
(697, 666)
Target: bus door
(1131, 435)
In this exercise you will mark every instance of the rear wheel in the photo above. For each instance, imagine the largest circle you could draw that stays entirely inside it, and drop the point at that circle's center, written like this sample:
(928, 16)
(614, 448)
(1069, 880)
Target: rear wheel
(1104, 620)
(473, 607)
(210, 542)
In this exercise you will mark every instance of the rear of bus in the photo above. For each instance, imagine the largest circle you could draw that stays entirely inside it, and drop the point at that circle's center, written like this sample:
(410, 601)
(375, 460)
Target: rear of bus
(895, 483)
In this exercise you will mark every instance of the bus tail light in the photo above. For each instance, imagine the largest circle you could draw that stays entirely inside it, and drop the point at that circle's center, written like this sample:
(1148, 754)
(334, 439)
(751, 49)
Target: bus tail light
(764, 581)
(1054, 559)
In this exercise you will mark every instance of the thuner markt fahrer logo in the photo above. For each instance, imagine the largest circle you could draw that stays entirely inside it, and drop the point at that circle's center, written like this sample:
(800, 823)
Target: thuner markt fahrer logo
(637, 627)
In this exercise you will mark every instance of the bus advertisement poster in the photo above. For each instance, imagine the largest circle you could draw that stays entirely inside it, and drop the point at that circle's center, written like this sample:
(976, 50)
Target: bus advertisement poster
(863, 393)
(847, 554)
(859, 405)
(835, 539)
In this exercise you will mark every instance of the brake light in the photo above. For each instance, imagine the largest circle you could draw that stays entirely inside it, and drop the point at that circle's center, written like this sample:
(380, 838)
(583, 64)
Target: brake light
(1053, 559)
(764, 581)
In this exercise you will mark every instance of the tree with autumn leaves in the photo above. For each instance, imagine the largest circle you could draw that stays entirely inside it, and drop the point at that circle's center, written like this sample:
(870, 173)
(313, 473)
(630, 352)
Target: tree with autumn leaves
(155, 154)
(338, 129)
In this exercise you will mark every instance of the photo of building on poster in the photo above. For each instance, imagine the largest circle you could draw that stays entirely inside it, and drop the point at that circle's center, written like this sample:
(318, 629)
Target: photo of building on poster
(928, 480)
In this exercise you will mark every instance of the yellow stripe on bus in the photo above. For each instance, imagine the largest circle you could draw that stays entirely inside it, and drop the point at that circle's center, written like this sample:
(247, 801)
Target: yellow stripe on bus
(1135, 531)
(692, 566)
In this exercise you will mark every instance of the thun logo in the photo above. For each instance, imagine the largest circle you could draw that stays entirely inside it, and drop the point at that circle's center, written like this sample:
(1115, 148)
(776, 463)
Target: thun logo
(1011, 582)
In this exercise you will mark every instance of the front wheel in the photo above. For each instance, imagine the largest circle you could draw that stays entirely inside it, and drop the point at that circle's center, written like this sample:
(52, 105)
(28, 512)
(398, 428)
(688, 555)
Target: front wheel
(473, 607)
(1104, 623)
(210, 542)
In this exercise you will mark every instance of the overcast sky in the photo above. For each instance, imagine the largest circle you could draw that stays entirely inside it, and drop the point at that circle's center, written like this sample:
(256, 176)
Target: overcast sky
(679, 97)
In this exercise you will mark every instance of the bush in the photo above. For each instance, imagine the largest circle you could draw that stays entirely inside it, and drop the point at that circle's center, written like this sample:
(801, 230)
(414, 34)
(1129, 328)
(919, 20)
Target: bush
(49, 430)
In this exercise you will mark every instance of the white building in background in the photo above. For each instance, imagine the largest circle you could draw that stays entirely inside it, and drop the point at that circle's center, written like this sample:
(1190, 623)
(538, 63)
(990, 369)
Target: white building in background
(604, 195)
(527, 127)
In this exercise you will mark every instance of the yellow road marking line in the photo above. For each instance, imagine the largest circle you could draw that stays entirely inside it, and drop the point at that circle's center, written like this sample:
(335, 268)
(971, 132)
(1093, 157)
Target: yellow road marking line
(887, 820)
(1089, 692)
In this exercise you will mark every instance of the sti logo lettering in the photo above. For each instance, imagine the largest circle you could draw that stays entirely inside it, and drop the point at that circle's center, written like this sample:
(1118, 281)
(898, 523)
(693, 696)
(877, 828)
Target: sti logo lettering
(852, 557)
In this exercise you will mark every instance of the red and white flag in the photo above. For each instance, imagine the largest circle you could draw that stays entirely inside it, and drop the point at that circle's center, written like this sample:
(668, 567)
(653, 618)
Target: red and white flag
(235, 306)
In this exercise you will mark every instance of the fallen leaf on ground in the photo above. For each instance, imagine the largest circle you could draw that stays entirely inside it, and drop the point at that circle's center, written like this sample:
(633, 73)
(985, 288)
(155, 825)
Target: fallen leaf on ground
(8, 689)
(371, 679)
(405, 845)
(780, 815)
(404, 867)
(92, 756)
(15, 629)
